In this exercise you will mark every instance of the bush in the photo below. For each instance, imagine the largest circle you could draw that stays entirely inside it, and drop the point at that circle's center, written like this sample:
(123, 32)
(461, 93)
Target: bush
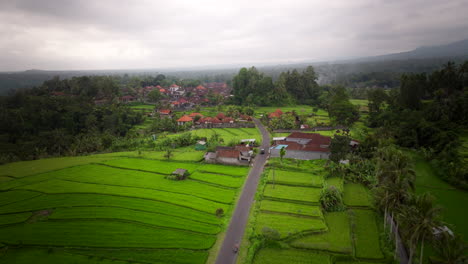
(270, 233)
(219, 212)
(331, 199)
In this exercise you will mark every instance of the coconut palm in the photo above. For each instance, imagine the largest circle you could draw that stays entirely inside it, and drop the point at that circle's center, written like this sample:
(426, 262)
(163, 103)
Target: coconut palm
(420, 218)
(450, 250)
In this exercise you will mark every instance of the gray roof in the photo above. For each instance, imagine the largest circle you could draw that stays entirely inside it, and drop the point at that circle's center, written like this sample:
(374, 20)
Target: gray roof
(180, 171)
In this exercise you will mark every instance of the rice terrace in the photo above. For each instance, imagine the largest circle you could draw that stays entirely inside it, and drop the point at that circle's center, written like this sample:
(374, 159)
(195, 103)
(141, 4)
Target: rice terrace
(233, 132)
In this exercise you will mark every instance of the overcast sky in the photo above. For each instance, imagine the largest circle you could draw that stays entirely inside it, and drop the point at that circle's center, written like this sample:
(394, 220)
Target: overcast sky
(124, 34)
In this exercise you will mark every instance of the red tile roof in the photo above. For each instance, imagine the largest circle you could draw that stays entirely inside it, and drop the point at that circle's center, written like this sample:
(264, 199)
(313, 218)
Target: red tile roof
(165, 111)
(216, 121)
(220, 116)
(228, 153)
(174, 85)
(227, 120)
(274, 114)
(200, 87)
(195, 114)
(185, 118)
(242, 148)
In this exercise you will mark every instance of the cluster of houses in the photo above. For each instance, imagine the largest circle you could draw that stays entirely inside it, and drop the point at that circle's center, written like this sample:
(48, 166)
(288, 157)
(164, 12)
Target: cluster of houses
(278, 113)
(180, 97)
(198, 120)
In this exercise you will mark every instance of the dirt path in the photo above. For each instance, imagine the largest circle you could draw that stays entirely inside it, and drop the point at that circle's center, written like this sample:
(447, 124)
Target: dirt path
(241, 214)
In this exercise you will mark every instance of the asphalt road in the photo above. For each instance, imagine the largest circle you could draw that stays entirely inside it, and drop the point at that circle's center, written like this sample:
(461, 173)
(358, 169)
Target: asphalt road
(239, 219)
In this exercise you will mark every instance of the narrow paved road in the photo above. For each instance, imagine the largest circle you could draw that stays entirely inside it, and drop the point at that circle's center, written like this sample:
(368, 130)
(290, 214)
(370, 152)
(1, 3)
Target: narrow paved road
(241, 214)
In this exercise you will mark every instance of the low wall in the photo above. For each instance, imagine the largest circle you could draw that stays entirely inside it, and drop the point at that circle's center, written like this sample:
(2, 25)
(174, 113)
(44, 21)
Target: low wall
(226, 125)
(309, 129)
(302, 155)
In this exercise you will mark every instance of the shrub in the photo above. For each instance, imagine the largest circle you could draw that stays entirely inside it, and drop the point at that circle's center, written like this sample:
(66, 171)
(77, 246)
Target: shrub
(219, 212)
(270, 233)
(331, 199)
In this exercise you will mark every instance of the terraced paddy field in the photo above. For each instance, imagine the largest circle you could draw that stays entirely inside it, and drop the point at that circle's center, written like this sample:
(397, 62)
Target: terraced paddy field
(289, 205)
(114, 208)
(230, 134)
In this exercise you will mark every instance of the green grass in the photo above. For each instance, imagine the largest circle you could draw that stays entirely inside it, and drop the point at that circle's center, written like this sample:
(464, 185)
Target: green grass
(315, 166)
(45, 256)
(25, 168)
(335, 181)
(366, 234)
(128, 178)
(218, 179)
(363, 102)
(60, 186)
(16, 196)
(292, 193)
(291, 208)
(143, 107)
(46, 201)
(288, 225)
(452, 200)
(156, 219)
(356, 194)
(295, 178)
(98, 233)
(290, 256)
(230, 134)
(337, 239)
(14, 218)
(179, 154)
(105, 209)
(228, 170)
(173, 256)
(163, 167)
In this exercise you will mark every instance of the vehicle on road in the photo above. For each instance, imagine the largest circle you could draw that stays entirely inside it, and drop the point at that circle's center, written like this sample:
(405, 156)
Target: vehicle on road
(235, 249)
(262, 151)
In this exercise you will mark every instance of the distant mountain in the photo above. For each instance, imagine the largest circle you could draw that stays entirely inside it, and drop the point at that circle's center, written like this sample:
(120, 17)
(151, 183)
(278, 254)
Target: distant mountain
(451, 50)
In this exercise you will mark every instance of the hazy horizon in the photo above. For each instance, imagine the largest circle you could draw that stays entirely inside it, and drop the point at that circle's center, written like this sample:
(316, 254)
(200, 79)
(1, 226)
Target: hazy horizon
(114, 35)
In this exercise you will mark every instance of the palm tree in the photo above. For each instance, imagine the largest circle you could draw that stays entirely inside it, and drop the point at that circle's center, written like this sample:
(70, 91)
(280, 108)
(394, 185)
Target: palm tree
(282, 153)
(420, 218)
(450, 250)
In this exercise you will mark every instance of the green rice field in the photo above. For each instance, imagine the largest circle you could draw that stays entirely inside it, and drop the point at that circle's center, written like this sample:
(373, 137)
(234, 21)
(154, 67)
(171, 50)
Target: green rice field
(289, 205)
(114, 208)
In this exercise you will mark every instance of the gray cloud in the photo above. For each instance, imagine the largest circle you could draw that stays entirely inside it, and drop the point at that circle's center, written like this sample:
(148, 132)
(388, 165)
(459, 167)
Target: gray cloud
(104, 34)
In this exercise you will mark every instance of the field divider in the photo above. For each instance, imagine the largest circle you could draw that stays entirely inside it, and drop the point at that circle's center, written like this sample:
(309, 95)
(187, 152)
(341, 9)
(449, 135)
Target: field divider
(137, 210)
(128, 196)
(291, 214)
(113, 206)
(218, 173)
(294, 184)
(13, 245)
(152, 226)
(289, 200)
(22, 200)
(230, 132)
(144, 188)
(213, 184)
(124, 168)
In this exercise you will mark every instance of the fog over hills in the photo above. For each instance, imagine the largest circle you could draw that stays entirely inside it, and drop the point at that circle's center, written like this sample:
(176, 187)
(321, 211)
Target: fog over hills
(421, 59)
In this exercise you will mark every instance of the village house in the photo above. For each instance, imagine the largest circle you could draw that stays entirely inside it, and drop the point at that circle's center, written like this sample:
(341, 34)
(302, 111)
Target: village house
(164, 113)
(304, 146)
(127, 99)
(238, 155)
(184, 120)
